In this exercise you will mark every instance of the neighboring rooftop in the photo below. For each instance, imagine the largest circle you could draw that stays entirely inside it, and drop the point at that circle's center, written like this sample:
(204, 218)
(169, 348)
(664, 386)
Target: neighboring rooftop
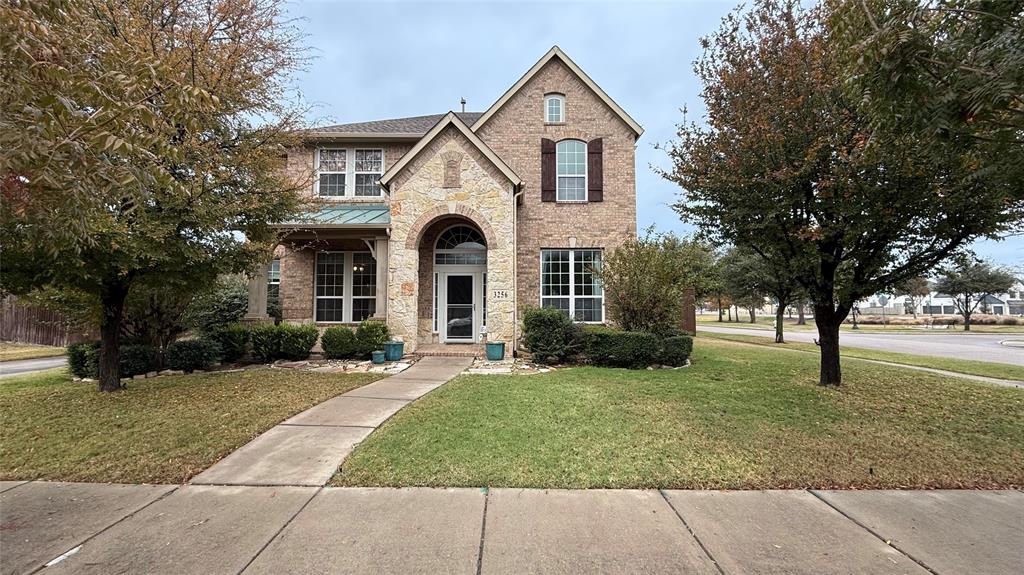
(417, 125)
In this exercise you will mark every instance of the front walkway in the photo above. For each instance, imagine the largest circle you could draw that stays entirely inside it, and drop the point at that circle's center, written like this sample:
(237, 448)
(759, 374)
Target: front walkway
(307, 449)
(93, 528)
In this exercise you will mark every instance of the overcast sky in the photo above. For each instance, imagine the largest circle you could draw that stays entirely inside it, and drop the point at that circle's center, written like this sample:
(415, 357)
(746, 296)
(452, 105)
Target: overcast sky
(375, 60)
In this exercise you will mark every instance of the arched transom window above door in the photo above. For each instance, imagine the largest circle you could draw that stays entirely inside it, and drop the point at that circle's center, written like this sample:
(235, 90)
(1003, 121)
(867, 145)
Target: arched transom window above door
(460, 245)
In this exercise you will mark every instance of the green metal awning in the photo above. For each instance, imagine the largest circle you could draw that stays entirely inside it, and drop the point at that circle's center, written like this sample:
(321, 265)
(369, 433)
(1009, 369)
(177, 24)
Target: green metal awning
(346, 216)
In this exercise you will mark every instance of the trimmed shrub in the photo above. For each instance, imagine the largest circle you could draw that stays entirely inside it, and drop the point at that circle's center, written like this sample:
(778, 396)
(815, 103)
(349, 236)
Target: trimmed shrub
(615, 348)
(371, 336)
(339, 342)
(82, 358)
(225, 302)
(675, 350)
(189, 355)
(266, 342)
(138, 359)
(1008, 321)
(232, 339)
(297, 340)
(550, 335)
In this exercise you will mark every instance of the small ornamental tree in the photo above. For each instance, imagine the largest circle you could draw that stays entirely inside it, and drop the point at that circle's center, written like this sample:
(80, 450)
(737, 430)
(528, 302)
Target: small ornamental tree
(644, 280)
(142, 141)
(914, 289)
(968, 283)
(757, 277)
(787, 166)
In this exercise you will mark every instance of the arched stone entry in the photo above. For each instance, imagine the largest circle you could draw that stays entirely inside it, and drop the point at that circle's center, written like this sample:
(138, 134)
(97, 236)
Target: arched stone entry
(451, 304)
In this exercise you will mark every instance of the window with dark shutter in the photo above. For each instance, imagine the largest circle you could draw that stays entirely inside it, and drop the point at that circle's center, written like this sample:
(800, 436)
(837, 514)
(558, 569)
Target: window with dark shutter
(595, 170)
(547, 170)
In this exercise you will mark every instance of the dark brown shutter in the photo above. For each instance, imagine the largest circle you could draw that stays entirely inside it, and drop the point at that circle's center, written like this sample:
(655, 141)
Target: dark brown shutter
(547, 170)
(595, 170)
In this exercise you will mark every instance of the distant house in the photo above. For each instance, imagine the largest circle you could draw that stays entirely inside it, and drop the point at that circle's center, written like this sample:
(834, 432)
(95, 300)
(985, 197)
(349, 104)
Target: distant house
(1009, 303)
(447, 226)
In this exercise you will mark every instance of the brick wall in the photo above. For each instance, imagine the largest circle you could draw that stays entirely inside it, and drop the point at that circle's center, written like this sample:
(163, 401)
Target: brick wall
(515, 133)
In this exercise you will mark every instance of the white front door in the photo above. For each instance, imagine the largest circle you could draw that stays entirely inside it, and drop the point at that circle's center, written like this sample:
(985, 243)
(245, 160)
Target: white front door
(458, 307)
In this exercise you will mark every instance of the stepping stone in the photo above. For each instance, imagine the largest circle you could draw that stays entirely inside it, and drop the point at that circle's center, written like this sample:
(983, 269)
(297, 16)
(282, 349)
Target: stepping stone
(349, 411)
(286, 455)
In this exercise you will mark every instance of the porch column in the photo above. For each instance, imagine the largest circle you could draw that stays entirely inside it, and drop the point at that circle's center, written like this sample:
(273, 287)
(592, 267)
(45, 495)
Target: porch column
(381, 252)
(258, 294)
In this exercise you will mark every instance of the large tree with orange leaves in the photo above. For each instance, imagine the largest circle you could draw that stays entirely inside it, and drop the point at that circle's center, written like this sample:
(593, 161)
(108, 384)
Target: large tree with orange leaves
(787, 166)
(141, 142)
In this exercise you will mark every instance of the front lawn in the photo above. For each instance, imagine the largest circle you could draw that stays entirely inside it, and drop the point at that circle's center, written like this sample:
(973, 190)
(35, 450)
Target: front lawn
(10, 351)
(160, 430)
(740, 417)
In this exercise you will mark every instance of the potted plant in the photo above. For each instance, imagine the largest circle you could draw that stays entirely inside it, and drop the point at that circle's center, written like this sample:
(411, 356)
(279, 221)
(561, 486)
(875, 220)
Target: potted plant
(394, 350)
(378, 356)
(495, 350)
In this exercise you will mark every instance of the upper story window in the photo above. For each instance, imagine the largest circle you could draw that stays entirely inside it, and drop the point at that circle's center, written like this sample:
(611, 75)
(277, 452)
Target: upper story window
(368, 169)
(554, 108)
(331, 168)
(337, 166)
(571, 162)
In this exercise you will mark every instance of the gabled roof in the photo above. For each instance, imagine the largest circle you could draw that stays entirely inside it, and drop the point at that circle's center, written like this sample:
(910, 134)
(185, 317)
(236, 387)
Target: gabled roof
(556, 52)
(450, 119)
(414, 126)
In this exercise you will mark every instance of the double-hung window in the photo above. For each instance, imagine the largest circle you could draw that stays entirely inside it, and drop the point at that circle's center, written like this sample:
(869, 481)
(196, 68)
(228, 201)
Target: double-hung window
(554, 108)
(369, 167)
(338, 167)
(571, 162)
(568, 282)
(346, 286)
(273, 280)
(331, 167)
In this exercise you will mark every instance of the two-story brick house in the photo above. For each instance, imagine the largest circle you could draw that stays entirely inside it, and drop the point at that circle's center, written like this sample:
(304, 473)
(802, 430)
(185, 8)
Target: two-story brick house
(448, 226)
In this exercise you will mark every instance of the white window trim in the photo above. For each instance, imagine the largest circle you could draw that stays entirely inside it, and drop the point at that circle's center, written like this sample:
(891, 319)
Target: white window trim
(586, 173)
(572, 282)
(350, 172)
(380, 190)
(346, 292)
(561, 108)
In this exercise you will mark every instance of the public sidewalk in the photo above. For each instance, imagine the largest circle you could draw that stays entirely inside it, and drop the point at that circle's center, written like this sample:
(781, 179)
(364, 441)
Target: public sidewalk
(209, 530)
(308, 448)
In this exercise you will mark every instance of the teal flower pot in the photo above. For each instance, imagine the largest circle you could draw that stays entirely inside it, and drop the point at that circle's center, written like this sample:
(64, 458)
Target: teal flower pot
(495, 350)
(394, 350)
(378, 356)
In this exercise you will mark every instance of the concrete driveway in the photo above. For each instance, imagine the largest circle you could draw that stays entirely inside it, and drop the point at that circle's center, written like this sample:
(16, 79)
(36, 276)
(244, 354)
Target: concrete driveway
(9, 368)
(211, 529)
(978, 346)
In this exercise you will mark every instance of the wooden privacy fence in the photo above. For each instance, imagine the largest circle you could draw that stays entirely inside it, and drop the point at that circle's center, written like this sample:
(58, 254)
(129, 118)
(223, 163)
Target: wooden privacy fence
(29, 324)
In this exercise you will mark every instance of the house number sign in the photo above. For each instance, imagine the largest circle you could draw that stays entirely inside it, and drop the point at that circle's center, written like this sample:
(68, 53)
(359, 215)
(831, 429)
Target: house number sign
(499, 294)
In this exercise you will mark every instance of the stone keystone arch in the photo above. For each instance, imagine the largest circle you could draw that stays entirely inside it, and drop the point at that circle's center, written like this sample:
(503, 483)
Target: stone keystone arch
(412, 240)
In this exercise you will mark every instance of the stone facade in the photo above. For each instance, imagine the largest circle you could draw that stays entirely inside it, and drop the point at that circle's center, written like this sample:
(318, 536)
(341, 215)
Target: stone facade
(515, 133)
(420, 199)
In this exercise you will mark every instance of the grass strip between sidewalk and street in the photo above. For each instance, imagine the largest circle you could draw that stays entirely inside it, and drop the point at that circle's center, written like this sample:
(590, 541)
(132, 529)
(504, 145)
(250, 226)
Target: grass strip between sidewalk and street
(13, 351)
(982, 368)
(159, 430)
(739, 417)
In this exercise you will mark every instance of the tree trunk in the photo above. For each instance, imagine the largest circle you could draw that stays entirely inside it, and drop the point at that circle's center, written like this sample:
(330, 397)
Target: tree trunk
(800, 319)
(719, 310)
(779, 318)
(730, 314)
(753, 316)
(967, 322)
(828, 321)
(112, 301)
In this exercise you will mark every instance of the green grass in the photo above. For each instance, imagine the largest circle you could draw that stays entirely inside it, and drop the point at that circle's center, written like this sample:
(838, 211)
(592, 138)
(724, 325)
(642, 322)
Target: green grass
(739, 417)
(160, 430)
(11, 351)
(983, 368)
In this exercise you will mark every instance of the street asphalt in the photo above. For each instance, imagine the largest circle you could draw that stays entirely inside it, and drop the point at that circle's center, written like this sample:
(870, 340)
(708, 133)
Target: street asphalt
(973, 346)
(214, 529)
(9, 368)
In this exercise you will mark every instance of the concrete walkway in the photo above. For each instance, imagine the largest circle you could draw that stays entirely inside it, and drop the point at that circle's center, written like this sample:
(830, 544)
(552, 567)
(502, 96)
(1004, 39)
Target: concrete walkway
(307, 449)
(211, 530)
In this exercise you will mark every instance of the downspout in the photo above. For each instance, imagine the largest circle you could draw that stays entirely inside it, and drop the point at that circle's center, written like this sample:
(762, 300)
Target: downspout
(517, 191)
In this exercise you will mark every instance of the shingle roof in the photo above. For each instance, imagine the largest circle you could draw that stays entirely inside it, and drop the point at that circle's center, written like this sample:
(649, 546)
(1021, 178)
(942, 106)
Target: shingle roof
(413, 125)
